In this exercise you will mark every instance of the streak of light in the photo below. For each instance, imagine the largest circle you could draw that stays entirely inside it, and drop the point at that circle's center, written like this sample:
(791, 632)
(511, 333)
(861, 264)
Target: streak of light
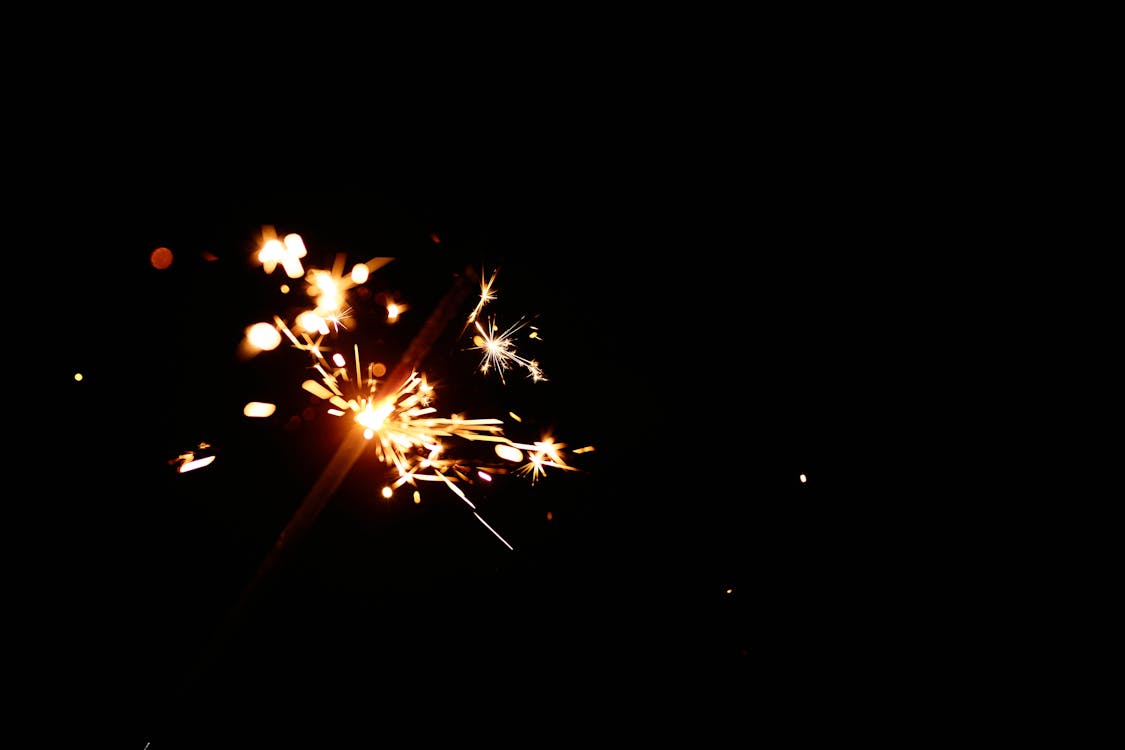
(198, 463)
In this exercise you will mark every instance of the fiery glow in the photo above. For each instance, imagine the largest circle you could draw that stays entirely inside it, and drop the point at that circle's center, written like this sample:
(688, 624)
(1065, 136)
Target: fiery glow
(400, 420)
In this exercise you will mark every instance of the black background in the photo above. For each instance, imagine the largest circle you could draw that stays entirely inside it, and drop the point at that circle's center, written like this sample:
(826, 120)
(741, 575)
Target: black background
(711, 344)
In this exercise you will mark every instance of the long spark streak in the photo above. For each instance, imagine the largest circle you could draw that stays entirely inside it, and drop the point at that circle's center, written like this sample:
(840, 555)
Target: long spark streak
(492, 529)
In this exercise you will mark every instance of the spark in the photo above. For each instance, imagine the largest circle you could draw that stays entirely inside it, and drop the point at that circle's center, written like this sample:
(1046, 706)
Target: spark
(399, 420)
(198, 463)
(486, 295)
(337, 319)
(402, 426)
(541, 455)
(499, 350)
(190, 460)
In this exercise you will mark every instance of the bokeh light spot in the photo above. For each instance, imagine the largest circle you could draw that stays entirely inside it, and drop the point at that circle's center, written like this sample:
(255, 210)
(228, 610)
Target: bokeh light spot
(160, 258)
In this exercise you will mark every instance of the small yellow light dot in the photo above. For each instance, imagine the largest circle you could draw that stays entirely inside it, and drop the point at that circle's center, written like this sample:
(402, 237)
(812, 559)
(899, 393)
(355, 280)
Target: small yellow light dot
(78, 376)
(387, 492)
(730, 591)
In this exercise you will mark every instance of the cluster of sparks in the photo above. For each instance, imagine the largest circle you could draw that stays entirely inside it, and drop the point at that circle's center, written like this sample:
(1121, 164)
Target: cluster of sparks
(499, 349)
(400, 419)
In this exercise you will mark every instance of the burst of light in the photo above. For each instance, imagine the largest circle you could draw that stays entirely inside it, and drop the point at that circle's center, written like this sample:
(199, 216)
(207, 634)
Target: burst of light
(399, 420)
(499, 350)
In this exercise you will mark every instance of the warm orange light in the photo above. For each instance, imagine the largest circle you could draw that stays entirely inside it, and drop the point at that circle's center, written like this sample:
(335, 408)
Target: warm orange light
(160, 258)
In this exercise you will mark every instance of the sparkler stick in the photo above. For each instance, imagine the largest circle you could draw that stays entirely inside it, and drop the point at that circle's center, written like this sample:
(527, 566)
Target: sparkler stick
(341, 462)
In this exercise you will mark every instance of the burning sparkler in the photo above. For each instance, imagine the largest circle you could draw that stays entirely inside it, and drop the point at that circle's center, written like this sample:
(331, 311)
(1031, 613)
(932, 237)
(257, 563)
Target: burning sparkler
(393, 413)
(396, 413)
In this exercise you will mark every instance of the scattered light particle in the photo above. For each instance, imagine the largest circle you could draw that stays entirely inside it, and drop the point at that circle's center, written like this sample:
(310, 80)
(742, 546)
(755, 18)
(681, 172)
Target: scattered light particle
(263, 336)
(549, 516)
(436, 240)
(258, 409)
(78, 376)
(417, 497)
(312, 322)
(360, 273)
(160, 258)
(804, 479)
(730, 591)
(509, 452)
(387, 492)
(484, 475)
(199, 463)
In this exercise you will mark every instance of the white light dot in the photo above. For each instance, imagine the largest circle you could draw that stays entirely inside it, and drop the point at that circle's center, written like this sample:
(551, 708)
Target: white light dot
(804, 479)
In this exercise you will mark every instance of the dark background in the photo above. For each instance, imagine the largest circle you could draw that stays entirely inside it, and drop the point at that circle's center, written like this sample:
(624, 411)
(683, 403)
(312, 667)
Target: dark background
(711, 344)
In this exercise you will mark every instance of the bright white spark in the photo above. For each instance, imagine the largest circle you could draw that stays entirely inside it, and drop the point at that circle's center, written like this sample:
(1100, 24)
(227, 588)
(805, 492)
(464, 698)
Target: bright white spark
(499, 350)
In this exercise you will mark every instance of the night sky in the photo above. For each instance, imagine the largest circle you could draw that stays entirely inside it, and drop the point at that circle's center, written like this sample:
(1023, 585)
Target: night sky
(707, 343)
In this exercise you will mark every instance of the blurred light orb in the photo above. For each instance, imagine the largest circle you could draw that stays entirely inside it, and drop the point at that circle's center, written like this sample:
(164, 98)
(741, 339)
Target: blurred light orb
(258, 409)
(160, 258)
(509, 453)
(264, 336)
